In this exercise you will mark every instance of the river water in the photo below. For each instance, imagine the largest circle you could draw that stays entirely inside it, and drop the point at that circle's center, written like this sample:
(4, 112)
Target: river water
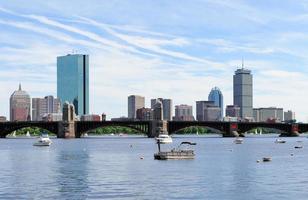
(111, 168)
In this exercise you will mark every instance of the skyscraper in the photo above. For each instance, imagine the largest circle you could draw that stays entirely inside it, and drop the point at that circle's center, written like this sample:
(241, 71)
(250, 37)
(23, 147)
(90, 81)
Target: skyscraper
(242, 92)
(134, 103)
(167, 107)
(44, 106)
(20, 105)
(73, 81)
(216, 96)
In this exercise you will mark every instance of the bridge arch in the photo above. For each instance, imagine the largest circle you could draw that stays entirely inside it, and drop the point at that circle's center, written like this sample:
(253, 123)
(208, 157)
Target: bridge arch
(213, 130)
(9, 127)
(175, 126)
(84, 126)
(245, 127)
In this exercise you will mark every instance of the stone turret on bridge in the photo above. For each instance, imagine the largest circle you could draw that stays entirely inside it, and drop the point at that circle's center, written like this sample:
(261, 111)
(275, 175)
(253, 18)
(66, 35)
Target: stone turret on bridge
(67, 126)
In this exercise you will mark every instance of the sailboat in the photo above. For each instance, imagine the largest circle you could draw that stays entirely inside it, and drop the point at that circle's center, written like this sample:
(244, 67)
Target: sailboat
(28, 134)
(14, 134)
(256, 132)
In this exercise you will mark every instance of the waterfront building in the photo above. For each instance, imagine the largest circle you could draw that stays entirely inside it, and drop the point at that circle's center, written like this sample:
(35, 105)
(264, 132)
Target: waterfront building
(233, 111)
(73, 81)
(121, 119)
(91, 117)
(212, 113)
(217, 97)
(200, 106)
(134, 103)
(20, 105)
(145, 114)
(289, 116)
(104, 116)
(43, 106)
(269, 114)
(52, 117)
(167, 107)
(2, 119)
(242, 92)
(230, 119)
(183, 113)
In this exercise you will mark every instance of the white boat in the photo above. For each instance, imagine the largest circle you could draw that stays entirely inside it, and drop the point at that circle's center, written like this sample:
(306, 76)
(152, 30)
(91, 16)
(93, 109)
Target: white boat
(238, 141)
(43, 141)
(28, 134)
(280, 141)
(86, 135)
(163, 139)
(14, 134)
(177, 153)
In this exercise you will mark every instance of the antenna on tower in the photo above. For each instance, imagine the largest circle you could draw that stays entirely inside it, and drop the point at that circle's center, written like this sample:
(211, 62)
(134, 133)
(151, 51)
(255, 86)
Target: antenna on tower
(242, 63)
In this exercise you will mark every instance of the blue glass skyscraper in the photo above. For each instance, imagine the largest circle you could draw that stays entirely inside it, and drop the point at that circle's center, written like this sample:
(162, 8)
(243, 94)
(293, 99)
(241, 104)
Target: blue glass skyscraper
(73, 81)
(216, 96)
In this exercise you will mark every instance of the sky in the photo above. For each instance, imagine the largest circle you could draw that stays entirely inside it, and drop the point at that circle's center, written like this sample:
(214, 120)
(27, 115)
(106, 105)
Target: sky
(174, 49)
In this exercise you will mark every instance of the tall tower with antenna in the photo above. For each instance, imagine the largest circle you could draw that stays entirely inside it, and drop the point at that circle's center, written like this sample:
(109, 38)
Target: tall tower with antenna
(243, 91)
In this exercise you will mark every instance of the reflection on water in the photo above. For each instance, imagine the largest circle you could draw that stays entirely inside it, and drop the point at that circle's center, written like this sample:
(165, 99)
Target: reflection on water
(72, 174)
(111, 168)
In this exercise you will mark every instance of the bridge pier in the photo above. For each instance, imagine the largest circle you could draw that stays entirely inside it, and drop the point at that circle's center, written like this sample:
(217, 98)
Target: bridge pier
(158, 127)
(232, 130)
(293, 131)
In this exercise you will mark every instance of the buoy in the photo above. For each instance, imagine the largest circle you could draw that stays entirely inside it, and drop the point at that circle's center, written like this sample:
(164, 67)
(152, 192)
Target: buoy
(141, 158)
(292, 154)
(258, 161)
(131, 145)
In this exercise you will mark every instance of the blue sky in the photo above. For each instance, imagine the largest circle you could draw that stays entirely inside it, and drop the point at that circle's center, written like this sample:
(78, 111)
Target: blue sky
(175, 49)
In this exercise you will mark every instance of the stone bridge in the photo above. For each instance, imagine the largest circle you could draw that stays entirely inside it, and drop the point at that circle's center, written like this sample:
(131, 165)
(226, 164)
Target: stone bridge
(76, 128)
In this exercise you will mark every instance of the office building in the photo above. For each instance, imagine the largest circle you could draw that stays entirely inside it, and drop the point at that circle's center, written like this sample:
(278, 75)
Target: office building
(271, 114)
(167, 107)
(289, 116)
(73, 81)
(43, 106)
(242, 92)
(2, 119)
(212, 113)
(20, 105)
(200, 106)
(183, 113)
(145, 114)
(91, 117)
(233, 111)
(52, 117)
(217, 97)
(134, 103)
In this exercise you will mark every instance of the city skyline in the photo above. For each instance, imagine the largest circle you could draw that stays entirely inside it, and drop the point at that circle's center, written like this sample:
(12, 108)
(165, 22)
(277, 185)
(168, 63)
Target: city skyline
(151, 60)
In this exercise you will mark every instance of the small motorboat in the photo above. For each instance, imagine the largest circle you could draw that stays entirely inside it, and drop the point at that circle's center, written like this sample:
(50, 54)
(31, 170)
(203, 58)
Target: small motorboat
(280, 141)
(267, 159)
(298, 147)
(163, 139)
(43, 141)
(238, 141)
